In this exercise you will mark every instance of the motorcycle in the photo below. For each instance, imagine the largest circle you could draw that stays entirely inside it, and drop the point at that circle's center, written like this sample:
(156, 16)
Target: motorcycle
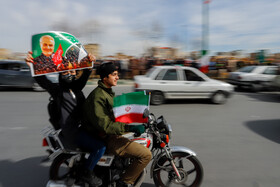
(171, 165)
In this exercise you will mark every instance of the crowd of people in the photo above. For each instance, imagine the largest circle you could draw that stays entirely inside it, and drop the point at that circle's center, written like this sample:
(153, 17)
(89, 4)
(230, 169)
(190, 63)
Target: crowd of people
(128, 68)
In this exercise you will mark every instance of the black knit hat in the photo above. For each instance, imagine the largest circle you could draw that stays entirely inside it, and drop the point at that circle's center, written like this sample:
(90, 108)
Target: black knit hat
(105, 69)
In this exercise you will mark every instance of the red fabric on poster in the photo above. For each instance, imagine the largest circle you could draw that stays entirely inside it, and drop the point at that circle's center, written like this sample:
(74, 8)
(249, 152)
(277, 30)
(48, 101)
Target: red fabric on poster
(57, 57)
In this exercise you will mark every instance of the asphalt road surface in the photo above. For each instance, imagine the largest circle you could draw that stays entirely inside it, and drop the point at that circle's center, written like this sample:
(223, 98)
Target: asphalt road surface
(237, 143)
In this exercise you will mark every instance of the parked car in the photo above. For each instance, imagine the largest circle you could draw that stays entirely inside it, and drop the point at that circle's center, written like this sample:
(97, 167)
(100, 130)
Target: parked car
(255, 78)
(181, 82)
(14, 73)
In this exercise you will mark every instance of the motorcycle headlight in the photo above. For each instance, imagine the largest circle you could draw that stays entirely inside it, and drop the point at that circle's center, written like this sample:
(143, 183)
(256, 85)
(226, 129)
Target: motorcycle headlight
(162, 125)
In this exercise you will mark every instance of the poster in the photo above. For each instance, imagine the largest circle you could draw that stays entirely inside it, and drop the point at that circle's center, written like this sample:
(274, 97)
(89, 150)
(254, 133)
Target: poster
(55, 51)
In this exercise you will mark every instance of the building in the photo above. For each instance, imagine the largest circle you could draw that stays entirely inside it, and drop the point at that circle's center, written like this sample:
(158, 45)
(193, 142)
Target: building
(163, 52)
(5, 53)
(93, 49)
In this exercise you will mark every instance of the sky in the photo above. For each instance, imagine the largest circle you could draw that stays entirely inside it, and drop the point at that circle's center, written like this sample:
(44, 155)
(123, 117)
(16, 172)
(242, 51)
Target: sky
(133, 26)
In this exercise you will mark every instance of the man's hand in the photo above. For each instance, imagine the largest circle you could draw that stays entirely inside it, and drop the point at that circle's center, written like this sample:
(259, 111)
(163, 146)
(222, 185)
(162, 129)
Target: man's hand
(138, 129)
(91, 57)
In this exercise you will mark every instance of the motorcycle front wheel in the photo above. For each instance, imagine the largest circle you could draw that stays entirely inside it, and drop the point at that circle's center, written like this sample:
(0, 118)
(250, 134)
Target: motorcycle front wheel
(189, 167)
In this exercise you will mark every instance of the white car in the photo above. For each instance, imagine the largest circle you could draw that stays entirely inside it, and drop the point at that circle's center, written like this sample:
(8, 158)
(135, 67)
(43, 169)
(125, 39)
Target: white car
(181, 82)
(255, 78)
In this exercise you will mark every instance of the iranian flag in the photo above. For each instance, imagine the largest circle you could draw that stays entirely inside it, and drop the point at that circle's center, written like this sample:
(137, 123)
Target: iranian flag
(204, 63)
(129, 107)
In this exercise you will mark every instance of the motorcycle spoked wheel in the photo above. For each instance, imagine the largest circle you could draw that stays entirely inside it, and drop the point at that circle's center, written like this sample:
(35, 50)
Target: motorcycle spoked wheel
(60, 170)
(190, 169)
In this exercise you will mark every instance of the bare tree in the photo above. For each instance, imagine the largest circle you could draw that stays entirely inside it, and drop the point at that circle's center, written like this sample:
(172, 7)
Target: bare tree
(175, 41)
(156, 32)
(64, 26)
(149, 34)
(91, 30)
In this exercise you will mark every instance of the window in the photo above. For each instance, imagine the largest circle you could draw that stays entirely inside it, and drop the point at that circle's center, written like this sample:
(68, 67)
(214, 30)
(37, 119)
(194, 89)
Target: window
(171, 75)
(270, 71)
(24, 67)
(14, 67)
(247, 69)
(191, 76)
(161, 74)
(4, 66)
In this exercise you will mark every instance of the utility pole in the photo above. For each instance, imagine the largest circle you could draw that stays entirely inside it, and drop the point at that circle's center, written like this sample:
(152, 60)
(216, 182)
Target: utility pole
(205, 27)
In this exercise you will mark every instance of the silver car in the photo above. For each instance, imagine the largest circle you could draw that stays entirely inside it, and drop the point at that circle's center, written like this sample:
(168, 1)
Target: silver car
(17, 74)
(181, 82)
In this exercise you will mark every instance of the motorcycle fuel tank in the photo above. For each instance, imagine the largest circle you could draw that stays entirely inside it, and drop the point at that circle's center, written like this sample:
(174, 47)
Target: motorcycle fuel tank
(144, 139)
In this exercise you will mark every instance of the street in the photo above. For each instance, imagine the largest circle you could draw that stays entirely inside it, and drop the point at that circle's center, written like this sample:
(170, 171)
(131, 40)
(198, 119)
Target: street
(237, 143)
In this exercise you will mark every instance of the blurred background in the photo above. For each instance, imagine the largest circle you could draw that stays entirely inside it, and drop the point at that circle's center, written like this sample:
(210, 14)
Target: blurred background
(243, 32)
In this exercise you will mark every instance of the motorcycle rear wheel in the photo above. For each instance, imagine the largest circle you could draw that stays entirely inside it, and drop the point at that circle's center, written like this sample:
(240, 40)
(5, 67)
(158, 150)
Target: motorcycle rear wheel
(190, 170)
(60, 169)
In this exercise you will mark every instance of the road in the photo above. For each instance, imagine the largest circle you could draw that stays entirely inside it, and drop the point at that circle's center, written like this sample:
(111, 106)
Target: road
(237, 143)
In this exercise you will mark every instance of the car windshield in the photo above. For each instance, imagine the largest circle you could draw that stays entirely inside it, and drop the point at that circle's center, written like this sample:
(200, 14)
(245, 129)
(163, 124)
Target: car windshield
(247, 69)
(150, 71)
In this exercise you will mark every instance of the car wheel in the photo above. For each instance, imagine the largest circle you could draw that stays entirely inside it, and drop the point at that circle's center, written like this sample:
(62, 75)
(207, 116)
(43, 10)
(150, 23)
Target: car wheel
(157, 98)
(36, 87)
(219, 98)
(255, 87)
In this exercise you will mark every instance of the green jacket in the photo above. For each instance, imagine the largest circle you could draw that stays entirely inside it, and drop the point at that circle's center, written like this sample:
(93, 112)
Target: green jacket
(98, 116)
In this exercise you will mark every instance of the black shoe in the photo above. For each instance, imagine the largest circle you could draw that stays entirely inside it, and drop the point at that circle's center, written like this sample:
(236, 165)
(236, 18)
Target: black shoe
(91, 179)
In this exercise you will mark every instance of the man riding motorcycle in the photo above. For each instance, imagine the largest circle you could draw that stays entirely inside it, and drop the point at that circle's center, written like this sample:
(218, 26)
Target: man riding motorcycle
(99, 120)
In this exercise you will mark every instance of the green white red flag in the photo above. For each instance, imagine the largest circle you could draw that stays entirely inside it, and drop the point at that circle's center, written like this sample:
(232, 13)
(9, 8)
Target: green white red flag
(129, 107)
(204, 63)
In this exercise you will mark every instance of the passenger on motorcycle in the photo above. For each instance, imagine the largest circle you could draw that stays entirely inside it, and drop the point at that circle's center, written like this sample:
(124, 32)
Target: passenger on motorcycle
(99, 120)
(68, 93)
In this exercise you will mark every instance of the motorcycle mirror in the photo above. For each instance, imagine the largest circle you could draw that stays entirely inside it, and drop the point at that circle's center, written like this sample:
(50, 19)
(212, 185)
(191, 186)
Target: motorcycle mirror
(146, 113)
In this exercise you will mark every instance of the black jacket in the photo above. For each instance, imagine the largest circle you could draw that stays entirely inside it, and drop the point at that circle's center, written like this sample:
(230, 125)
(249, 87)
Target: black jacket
(71, 101)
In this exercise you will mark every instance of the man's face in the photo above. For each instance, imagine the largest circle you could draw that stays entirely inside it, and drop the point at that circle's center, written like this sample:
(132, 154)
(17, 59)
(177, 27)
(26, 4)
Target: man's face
(71, 72)
(112, 79)
(47, 45)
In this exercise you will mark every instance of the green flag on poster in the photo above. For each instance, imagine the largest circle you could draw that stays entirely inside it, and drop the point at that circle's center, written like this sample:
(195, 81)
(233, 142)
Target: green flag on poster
(55, 51)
